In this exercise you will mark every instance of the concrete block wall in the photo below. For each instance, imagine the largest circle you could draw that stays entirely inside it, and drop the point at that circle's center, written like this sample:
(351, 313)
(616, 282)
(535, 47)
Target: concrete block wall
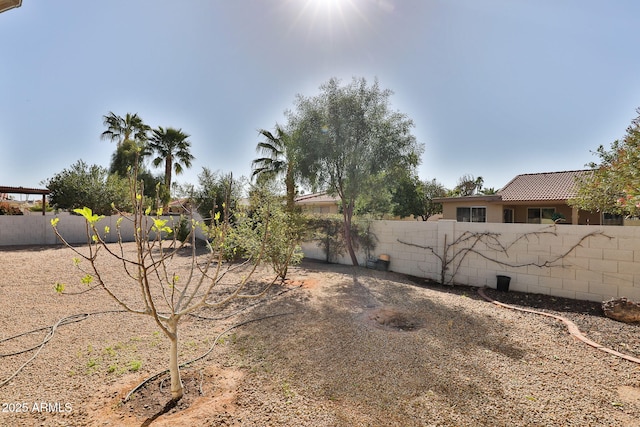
(575, 261)
(36, 229)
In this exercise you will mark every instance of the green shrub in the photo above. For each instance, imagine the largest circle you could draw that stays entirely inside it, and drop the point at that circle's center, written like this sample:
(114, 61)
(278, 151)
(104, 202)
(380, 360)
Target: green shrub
(38, 208)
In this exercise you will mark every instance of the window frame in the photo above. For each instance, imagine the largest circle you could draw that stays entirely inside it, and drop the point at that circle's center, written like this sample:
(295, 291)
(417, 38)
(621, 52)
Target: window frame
(511, 213)
(608, 218)
(472, 217)
(541, 216)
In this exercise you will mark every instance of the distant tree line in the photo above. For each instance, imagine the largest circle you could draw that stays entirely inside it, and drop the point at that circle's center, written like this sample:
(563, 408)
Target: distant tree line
(346, 141)
(101, 189)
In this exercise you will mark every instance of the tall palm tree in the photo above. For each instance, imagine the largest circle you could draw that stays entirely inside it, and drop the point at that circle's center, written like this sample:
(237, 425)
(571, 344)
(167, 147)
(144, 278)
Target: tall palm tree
(120, 129)
(277, 161)
(171, 147)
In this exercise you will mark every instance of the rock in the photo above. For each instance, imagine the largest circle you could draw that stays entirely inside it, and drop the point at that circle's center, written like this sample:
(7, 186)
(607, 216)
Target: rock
(622, 310)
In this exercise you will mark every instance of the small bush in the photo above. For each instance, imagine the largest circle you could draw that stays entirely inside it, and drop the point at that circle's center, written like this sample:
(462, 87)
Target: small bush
(38, 208)
(8, 209)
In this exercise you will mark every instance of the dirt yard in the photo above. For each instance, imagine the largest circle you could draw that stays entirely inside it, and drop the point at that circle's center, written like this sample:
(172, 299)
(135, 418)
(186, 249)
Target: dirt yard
(334, 346)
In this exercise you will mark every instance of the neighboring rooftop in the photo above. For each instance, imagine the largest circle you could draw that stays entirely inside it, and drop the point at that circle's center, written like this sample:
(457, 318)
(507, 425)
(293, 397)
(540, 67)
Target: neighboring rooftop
(542, 186)
(316, 198)
(24, 190)
(9, 4)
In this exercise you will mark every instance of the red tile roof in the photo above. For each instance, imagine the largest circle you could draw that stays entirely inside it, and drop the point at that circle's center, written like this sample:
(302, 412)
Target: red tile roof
(542, 186)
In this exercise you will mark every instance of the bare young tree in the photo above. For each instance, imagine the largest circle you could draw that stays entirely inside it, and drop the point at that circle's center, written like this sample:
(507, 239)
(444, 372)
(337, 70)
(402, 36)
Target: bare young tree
(171, 286)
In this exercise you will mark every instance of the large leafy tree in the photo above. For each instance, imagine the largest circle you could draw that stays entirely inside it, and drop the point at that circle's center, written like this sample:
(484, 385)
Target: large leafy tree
(614, 184)
(127, 156)
(88, 185)
(468, 185)
(171, 147)
(128, 128)
(348, 137)
(413, 197)
(431, 190)
(217, 194)
(277, 160)
(131, 134)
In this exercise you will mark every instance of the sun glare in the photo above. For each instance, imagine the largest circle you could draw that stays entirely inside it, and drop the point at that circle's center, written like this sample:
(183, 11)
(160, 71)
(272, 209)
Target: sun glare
(335, 23)
(327, 18)
(328, 4)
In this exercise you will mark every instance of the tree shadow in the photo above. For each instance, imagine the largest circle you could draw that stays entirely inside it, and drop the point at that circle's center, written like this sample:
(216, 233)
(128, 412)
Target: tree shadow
(334, 347)
(165, 409)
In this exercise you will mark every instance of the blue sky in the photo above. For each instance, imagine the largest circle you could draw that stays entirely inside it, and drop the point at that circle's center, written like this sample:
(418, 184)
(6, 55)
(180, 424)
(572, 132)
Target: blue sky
(495, 87)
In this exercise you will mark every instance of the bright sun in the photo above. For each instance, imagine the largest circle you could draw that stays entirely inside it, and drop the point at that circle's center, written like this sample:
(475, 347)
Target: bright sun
(333, 22)
(327, 18)
(328, 4)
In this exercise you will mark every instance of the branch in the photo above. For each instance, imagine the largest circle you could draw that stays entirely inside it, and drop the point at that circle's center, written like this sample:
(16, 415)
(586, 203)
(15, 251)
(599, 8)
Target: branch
(185, 364)
(491, 241)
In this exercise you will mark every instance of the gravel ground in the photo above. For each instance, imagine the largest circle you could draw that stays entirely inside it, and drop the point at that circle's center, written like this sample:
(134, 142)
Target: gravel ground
(345, 347)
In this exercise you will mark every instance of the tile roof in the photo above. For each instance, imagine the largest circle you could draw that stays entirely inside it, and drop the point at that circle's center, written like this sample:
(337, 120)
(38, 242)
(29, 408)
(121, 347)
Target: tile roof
(541, 186)
(316, 198)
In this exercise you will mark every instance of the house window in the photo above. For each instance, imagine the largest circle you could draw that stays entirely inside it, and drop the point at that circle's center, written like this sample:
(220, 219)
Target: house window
(507, 215)
(471, 214)
(612, 219)
(540, 215)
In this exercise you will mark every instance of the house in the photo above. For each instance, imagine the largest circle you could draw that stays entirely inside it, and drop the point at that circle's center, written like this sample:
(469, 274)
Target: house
(179, 207)
(537, 198)
(325, 204)
(318, 203)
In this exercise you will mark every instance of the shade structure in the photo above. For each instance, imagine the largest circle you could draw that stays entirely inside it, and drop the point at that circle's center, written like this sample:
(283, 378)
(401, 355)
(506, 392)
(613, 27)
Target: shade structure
(9, 4)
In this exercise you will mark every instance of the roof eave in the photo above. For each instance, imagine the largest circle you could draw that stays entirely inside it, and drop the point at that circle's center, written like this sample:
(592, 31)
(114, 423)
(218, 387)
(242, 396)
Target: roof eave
(9, 4)
(24, 190)
(483, 198)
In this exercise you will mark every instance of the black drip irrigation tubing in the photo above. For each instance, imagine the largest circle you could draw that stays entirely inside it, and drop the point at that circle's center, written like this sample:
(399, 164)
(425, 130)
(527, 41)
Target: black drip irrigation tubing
(52, 330)
(573, 329)
(185, 364)
(82, 316)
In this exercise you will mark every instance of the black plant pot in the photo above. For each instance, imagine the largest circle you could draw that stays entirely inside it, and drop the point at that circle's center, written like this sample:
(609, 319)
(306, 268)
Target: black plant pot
(503, 283)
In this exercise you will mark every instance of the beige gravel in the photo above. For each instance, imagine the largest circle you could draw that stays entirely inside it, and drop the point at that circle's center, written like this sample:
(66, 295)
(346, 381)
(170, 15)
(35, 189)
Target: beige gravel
(351, 347)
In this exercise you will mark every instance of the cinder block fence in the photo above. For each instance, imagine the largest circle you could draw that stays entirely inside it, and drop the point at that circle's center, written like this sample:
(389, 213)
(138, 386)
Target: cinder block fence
(21, 230)
(575, 261)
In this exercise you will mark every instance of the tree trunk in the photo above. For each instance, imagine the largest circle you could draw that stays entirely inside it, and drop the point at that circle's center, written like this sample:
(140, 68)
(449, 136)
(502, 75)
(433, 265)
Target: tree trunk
(291, 188)
(348, 214)
(168, 164)
(174, 370)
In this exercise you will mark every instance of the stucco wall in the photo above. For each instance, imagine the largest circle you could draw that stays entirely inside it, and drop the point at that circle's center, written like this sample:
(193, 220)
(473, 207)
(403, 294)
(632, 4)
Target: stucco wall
(494, 211)
(557, 260)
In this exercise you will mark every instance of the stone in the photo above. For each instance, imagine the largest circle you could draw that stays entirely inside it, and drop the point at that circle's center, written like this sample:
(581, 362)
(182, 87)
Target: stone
(622, 310)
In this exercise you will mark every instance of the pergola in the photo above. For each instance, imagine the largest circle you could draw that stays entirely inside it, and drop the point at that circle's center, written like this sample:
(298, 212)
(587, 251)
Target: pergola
(9, 4)
(23, 190)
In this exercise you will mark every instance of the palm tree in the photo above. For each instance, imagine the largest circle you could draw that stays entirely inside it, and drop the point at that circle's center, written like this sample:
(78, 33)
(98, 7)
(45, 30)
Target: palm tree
(277, 161)
(488, 191)
(171, 147)
(122, 129)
